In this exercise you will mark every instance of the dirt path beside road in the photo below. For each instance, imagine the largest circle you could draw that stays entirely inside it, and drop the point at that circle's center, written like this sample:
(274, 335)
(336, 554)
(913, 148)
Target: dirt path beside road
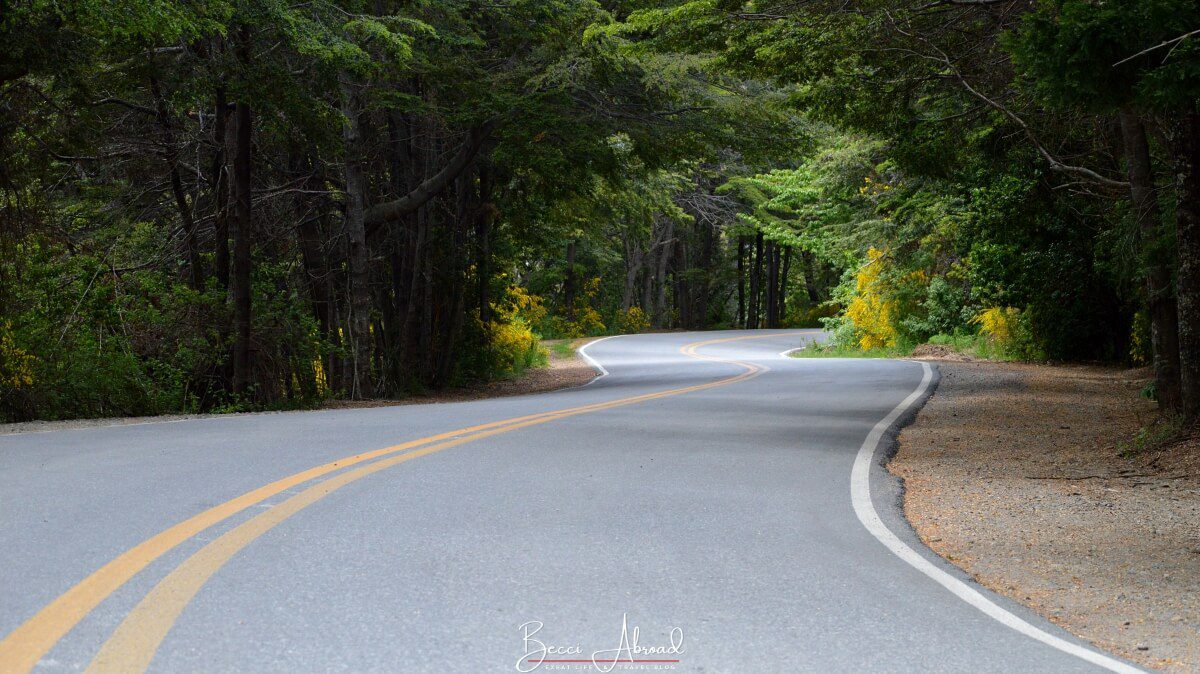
(1015, 473)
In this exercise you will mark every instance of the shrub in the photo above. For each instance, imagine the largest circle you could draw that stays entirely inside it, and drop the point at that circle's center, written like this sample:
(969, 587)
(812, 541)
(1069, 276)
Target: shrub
(1006, 330)
(946, 310)
(512, 348)
(871, 311)
(631, 320)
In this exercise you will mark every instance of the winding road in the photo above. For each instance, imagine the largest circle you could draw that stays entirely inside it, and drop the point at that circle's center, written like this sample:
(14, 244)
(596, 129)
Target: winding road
(720, 504)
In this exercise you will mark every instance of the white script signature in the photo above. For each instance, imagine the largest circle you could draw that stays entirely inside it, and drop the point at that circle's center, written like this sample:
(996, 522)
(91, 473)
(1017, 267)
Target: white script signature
(628, 650)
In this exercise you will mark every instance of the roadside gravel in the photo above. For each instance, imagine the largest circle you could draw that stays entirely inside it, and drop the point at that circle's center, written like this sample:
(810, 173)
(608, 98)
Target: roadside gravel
(1014, 473)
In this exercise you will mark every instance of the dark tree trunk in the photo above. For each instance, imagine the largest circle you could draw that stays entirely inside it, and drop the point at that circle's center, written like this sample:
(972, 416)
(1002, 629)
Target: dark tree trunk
(1187, 214)
(664, 259)
(466, 209)
(362, 385)
(569, 283)
(703, 286)
(810, 277)
(1160, 302)
(783, 284)
(633, 267)
(683, 287)
(241, 232)
(752, 320)
(741, 281)
(772, 283)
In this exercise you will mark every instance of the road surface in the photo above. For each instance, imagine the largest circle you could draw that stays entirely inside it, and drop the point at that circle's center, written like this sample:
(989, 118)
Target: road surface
(722, 500)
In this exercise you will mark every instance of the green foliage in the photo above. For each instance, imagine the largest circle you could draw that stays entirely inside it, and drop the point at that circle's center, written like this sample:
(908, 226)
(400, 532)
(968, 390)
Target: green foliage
(1153, 436)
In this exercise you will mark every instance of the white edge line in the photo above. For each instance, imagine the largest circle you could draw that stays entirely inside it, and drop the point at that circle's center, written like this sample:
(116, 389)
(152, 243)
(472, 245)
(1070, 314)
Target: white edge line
(860, 492)
(789, 352)
(582, 351)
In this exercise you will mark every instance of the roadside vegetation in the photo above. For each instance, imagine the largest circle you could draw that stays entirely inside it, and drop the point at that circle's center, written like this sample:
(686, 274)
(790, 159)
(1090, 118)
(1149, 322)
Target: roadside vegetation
(248, 205)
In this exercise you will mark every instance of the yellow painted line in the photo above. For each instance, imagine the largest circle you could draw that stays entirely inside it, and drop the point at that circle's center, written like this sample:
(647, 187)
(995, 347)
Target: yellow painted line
(23, 648)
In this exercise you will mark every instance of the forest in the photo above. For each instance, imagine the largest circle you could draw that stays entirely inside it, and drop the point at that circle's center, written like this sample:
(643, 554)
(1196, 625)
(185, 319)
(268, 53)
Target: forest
(224, 205)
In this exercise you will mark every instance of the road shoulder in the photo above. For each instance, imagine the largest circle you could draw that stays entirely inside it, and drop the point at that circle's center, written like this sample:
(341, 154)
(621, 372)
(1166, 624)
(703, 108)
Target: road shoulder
(1013, 473)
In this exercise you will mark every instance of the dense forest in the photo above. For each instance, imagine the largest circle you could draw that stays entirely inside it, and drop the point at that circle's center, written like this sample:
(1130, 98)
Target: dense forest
(225, 205)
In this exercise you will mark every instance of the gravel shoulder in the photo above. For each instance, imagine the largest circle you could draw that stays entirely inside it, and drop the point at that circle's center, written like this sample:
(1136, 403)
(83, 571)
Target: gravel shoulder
(1015, 473)
(561, 372)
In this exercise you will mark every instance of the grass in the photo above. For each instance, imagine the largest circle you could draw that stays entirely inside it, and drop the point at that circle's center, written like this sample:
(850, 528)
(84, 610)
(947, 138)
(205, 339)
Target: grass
(976, 346)
(1154, 436)
(562, 349)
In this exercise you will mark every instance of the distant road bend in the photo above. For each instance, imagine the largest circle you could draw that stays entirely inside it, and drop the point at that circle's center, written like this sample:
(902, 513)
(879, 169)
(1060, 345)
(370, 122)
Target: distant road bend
(725, 501)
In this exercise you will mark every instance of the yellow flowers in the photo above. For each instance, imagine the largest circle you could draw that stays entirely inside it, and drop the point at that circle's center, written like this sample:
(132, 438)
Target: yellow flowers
(999, 324)
(514, 345)
(16, 366)
(872, 188)
(870, 312)
(632, 320)
(522, 303)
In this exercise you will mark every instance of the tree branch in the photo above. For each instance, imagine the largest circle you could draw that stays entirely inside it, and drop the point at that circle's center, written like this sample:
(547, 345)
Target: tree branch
(379, 214)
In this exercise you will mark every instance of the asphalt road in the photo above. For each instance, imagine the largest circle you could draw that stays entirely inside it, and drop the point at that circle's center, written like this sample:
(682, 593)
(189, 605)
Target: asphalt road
(706, 495)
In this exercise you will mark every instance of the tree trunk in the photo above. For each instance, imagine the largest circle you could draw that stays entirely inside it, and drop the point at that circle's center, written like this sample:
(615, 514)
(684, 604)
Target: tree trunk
(1187, 215)
(664, 258)
(783, 284)
(633, 267)
(772, 283)
(1160, 304)
(569, 283)
(362, 385)
(241, 232)
(756, 283)
(741, 281)
(810, 277)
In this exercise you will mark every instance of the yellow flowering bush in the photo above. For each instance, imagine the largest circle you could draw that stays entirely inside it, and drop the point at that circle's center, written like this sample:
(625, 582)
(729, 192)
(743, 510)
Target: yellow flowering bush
(869, 310)
(514, 347)
(1007, 332)
(632, 320)
(999, 324)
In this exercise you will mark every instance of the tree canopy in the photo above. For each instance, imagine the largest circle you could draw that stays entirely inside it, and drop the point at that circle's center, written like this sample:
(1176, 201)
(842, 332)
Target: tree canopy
(249, 204)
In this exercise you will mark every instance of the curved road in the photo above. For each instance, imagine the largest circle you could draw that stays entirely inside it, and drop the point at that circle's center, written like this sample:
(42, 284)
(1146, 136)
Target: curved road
(703, 492)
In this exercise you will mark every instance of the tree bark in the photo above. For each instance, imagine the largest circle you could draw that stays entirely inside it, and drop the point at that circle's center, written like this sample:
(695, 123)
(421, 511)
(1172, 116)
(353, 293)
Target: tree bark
(633, 267)
(664, 257)
(362, 384)
(756, 283)
(772, 283)
(569, 283)
(810, 277)
(741, 281)
(783, 284)
(1160, 303)
(1187, 222)
(424, 192)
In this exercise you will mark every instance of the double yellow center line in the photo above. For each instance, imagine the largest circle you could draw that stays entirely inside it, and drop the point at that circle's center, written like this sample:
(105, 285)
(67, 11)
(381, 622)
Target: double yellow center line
(133, 645)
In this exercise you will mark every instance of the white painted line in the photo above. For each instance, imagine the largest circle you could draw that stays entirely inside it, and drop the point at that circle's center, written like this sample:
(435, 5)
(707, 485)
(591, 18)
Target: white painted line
(789, 352)
(860, 493)
(592, 361)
